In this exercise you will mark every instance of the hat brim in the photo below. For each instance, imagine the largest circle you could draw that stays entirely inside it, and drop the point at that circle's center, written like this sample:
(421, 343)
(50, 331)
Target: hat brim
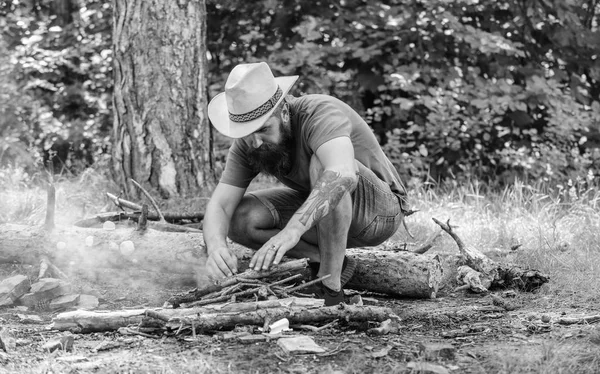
(219, 115)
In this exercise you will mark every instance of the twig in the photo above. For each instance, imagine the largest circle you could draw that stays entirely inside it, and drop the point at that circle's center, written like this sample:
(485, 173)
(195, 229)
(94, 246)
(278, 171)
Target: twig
(317, 329)
(580, 320)
(154, 204)
(224, 297)
(406, 228)
(285, 280)
(428, 243)
(229, 290)
(309, 283)
(446, 227)
(128, 331)
(123, 203)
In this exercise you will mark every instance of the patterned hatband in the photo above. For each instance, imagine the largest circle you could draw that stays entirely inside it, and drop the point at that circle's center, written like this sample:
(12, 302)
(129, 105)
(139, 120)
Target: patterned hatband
(261, 110)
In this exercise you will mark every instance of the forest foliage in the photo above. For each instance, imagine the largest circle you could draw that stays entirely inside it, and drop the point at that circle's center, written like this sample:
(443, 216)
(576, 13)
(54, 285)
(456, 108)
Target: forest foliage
(485, 89)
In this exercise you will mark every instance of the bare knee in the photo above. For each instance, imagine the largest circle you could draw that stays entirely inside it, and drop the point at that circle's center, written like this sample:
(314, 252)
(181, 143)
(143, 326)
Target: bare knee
(249, 216)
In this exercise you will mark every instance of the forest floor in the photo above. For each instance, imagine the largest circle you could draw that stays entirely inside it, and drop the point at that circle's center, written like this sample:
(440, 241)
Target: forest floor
(457, 333)
(530, 226)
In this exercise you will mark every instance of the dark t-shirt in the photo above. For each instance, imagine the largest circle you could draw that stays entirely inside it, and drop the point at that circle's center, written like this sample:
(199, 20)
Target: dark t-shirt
(316, 119)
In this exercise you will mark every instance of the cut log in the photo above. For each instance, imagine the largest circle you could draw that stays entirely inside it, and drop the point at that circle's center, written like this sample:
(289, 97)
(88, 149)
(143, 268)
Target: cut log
(179, 258)
(402, 274)
(82, 321)
(176, 254)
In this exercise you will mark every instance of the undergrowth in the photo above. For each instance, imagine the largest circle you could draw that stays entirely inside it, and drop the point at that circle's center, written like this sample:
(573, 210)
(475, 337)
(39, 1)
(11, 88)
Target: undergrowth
(554, 229)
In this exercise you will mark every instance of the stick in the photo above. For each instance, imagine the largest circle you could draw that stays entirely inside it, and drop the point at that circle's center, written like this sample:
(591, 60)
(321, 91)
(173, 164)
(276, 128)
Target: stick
(224, 297)
(309, 283)
(123, 203)
(428, 243)
(580, 320)
(154, 204)
(446, 227)
(296, 315)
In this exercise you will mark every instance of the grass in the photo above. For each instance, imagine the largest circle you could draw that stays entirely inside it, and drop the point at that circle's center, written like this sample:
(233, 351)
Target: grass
(556, 229)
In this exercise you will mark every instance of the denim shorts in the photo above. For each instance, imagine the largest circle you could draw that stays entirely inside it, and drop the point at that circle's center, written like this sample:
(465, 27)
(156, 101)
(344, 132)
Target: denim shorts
(376, 212)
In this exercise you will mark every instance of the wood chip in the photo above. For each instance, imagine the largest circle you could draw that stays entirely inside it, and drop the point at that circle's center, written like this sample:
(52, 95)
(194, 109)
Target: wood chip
(300, 345)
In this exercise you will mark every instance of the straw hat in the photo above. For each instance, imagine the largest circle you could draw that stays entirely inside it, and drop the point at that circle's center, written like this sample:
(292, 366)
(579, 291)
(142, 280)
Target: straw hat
(251, 94)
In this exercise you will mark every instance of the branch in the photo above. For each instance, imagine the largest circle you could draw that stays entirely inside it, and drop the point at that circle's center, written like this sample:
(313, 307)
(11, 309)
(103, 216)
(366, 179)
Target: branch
(154, 204)
(122, 203)
(296, 315)
(446, 227)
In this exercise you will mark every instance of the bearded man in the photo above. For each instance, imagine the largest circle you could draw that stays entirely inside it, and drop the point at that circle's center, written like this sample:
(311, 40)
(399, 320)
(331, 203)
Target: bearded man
(341, 191)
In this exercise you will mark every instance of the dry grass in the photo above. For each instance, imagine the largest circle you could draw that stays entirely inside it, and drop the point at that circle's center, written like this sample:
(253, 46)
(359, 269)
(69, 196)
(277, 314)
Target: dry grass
(557, 228)
(558, 233)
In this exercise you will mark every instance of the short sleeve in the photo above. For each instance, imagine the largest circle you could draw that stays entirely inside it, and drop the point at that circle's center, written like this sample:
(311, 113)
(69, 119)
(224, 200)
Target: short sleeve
(237, 171)
(324, 123)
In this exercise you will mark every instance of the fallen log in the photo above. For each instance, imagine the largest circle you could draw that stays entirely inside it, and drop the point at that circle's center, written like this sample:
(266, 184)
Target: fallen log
(91, 250)
(179, 258)
(153, 215)
(403, 274)
(295, 315)
(82, 321)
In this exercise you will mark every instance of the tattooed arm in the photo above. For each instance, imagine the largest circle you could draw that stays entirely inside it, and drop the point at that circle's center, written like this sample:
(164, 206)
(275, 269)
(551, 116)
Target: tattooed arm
(337, 178)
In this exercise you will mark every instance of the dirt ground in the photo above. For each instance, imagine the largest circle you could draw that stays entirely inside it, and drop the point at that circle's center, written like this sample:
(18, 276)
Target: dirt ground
(477, 336)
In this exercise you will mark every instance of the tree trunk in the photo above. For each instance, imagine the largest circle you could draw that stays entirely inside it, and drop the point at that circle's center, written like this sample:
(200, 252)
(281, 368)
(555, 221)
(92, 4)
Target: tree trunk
(162, 137)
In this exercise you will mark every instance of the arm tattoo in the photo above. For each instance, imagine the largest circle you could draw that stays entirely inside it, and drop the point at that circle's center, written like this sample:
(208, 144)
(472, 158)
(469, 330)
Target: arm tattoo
(325, 196)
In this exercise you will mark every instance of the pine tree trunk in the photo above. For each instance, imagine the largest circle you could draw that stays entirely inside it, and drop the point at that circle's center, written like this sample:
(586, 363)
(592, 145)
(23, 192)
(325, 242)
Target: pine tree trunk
(162, 137)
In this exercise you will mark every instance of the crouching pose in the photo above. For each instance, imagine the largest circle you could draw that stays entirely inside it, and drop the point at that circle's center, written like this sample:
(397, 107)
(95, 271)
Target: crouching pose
(341, 190)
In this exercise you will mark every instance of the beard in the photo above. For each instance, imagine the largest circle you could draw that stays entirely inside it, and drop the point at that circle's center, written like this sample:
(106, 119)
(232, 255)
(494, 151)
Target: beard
(274, 159)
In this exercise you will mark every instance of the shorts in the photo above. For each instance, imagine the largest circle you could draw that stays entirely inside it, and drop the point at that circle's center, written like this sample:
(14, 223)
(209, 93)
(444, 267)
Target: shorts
(376, 210)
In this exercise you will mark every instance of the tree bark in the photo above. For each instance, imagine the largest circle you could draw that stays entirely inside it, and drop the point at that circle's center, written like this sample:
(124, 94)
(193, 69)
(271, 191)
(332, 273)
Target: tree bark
(83, 321)
(295, 315)
(183, 256)
(403, 274)
(162, 137)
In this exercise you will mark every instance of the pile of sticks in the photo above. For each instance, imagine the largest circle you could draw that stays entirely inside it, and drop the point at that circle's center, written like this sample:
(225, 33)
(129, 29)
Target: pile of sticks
(248, 284)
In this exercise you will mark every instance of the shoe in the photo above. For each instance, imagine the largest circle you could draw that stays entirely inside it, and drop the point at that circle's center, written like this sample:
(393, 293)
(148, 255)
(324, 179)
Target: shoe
(348, 269)
(331, 297)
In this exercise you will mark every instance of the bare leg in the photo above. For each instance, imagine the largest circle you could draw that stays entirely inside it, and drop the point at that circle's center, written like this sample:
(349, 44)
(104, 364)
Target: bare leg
(332, 234)
(253, 225)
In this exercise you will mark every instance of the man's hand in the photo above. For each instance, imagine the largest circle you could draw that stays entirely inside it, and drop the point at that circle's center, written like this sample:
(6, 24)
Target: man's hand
(221, 263)
(272, 251)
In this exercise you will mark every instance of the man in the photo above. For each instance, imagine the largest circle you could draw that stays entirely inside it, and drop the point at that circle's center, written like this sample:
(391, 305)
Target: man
(341, 190)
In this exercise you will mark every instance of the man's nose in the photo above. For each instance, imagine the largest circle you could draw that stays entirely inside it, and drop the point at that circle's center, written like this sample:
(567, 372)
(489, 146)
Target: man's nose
(256, 141)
